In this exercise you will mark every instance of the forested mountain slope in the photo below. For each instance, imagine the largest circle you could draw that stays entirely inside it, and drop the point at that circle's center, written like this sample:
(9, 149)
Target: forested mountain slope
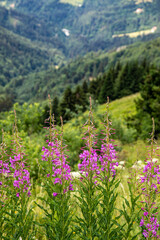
(44, 45)
(37, 86)
(88, 26)
(18, 57)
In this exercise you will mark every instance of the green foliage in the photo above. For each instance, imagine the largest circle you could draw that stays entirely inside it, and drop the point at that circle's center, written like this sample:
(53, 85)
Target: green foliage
(119, 81)
(108, 226)
(85, 23)
(6, 102)
(87, 226)
(100, 68)
(129, 79)
(32, 41)
(29, 118)
(17, 219)
(99, 212)
(57, 218)
(107, 85)
(130, 212)
(30, 125)
(67, 106)
(19, 57)
(148, 105)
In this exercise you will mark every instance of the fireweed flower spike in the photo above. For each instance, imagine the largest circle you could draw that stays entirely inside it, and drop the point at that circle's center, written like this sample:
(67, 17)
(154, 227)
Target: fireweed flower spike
(57, 183)
(18, 216)
(89, 157)
(87, 198)
(150, 181)
(108, 153)
(21, 176)
(4, 165)
(4, 171)
(109, 184)
(59, 170)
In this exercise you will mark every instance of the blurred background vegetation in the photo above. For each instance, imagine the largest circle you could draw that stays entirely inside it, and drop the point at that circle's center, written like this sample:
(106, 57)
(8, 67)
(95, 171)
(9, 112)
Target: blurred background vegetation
(72, 50)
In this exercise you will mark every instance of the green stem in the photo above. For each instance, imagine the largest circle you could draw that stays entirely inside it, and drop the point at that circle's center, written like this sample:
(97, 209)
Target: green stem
(90, 126)
(150, 193)
(63, 183)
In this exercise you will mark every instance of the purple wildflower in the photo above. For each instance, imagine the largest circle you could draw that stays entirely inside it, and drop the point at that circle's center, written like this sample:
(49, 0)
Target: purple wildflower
(17, 194)
(150, 181)
(89, 162)
(107, 159)
(145, 213)
(142, 222)
(58, 170)
(20, 174)
(55, 194)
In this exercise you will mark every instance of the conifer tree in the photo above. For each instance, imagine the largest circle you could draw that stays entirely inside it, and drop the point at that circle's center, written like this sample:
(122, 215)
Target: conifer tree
(85, 87)
(129, 79)
(80, 98)
(107, 89)
(67, 105)
(148, 105)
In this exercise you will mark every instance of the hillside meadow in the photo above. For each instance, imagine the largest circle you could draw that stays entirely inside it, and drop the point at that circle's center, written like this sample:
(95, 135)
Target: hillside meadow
(79, 184)
(120, 109)
(31, 123)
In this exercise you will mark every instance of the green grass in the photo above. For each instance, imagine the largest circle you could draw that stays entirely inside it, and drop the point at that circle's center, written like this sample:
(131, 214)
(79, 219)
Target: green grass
(121, 108)
(118, 109)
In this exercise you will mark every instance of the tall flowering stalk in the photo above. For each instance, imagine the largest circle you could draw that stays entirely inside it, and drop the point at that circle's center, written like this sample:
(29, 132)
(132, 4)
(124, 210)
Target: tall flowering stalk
(18, 216)
(108, 227)
(114, 223)
(4, 169)
(88, 199)
(20, 173)
(57, 182)
(89, 157)
(150, 181)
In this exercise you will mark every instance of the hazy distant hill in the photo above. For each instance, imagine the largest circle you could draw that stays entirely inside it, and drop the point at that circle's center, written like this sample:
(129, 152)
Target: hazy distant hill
(21, 55)
(30, 27)
(89, 26)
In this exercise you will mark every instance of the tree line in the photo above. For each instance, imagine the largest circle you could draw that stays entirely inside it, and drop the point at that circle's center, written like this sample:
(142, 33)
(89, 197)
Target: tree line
(119, 81)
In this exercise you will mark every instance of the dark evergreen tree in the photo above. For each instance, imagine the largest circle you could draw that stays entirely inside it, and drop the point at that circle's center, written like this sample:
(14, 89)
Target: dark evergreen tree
(67, 105)
(85, 87)
(80, 98)
(129, 79)
(122, 83)
(94, 87)
(150, 94)
(6, 102)
(107, 88)
(148, 105)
